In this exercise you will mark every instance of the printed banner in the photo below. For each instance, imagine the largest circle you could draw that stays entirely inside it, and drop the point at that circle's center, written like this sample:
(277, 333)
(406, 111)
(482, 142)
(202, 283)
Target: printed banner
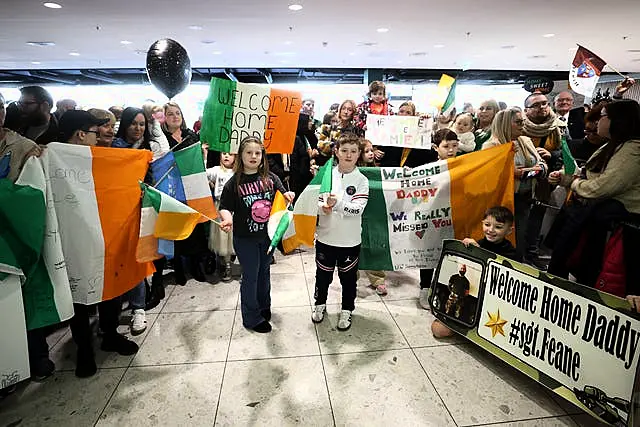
(399, 131)
(236, 110)
(410, 211)
(575, 340)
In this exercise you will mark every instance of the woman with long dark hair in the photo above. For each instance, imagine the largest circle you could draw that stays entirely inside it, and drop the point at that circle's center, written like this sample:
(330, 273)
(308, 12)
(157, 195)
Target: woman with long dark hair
(194, 247)
(134, 133)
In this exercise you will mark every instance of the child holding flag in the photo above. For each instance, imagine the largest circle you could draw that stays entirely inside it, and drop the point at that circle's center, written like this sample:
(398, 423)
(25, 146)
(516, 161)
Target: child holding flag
(248, 195)
(339, 229)
(221, 243)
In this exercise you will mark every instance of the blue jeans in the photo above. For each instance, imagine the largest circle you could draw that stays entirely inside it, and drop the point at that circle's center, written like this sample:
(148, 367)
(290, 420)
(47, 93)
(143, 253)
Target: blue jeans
(255, 285)
(137, 296)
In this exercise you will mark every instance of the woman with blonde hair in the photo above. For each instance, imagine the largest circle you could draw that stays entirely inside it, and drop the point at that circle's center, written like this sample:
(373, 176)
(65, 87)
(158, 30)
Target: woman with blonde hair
(107, 131)
(508, 127)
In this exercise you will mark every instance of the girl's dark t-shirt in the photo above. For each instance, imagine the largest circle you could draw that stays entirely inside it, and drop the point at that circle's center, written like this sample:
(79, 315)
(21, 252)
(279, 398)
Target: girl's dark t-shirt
(250, 202)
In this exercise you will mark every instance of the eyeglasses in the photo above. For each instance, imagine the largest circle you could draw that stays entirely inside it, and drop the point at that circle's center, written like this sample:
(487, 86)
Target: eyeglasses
(485, 108)
(565, 99)
(27, 103)
(539, 105)
(92, 131)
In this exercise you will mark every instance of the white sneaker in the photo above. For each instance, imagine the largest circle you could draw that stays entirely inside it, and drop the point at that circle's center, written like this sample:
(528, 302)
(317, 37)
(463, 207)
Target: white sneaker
(138, 322)
(424, 298)
(317, 315)
(344, 322)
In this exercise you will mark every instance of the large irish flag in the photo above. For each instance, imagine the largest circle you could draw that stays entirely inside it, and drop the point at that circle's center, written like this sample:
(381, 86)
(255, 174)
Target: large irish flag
(410, 211)
(236, 110)
(30, 248)
(95, 195)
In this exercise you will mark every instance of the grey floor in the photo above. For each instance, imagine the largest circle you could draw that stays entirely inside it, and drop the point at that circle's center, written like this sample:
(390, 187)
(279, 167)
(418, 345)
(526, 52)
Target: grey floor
(197, 366)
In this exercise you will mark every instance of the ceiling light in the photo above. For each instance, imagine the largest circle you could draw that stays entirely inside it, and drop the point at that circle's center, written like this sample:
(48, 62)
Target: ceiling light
(548, 35)
(633, 50)
(125, 42)
(352, 54)
(208, 41)
(52, 5)
(36, 62)
(41, 44)
(508, 46)
(74, 54)
(195, 27)
(418, 54)
(295, 7)
(537, 56)
(216, 52)
(288, 42)
(367, 44)
(438, 46)
(382, 30)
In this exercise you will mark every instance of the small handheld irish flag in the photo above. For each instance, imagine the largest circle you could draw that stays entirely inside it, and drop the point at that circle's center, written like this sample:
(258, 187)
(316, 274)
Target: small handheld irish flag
(163, 217)
(279, 220)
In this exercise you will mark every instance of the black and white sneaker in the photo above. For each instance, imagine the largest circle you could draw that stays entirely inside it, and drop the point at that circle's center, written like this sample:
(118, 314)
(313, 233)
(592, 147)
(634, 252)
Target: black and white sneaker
(317, 315)
(344, 322)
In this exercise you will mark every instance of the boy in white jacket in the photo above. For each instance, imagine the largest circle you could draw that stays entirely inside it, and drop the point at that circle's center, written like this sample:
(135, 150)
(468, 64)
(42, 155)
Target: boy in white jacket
(339, 231)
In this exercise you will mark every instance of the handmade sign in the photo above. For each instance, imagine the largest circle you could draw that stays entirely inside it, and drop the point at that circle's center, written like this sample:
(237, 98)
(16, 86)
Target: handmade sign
(399, 131)
(581, 343)
(410, 211)
(236, 110)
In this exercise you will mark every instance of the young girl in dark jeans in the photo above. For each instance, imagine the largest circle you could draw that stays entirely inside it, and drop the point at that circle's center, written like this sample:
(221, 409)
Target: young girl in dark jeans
(248, 195)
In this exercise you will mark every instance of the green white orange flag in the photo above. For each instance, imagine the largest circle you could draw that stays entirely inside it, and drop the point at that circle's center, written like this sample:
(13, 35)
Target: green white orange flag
(450, 101)
(443, 92)
(163, 217)
(95, 196)
(279, 220)
(236, 110)
(410, 211)
(30, 247)
(190, 163)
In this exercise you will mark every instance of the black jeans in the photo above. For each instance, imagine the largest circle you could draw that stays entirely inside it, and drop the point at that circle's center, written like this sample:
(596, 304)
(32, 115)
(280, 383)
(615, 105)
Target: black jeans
(426, 276)
(327, 257)
(108, 311)
(522, 204)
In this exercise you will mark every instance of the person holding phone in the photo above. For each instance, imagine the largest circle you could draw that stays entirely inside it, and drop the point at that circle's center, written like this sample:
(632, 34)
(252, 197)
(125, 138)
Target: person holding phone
(508, 127)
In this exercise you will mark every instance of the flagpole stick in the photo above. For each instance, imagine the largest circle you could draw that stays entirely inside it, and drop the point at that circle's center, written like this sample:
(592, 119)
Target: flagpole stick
(616, 71)
(165, 175)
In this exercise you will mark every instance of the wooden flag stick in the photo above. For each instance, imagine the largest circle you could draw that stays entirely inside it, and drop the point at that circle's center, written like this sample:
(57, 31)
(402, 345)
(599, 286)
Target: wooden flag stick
(616, 71)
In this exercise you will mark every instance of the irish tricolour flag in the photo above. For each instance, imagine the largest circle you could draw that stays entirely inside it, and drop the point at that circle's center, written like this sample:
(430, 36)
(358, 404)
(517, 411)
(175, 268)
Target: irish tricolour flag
(236, 110)
(163, 217)
(95, 196)
(410, 211)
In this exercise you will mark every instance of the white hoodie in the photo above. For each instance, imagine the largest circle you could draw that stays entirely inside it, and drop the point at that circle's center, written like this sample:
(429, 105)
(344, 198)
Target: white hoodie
(158, 142)
(343, 227)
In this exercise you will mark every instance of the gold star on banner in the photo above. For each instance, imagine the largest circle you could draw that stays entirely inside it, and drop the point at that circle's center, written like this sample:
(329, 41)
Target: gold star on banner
(496, 324)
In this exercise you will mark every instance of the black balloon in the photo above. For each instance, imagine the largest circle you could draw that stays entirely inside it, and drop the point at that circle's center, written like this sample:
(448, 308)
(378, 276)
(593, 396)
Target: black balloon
(168, 67)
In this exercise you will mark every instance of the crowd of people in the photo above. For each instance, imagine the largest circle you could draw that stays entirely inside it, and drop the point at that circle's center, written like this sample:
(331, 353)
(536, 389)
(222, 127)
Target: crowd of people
(600, 199)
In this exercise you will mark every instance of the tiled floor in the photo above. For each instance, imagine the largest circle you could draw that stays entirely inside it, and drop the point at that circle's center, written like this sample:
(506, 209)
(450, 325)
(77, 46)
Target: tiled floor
(197, 366)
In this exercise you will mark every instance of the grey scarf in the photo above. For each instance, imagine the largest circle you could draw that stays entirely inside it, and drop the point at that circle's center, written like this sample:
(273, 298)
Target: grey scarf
(541, 130)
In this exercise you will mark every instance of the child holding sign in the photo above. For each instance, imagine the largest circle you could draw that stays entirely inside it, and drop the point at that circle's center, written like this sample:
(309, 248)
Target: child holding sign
(248, 195)
(497, 224)
(339, 231)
